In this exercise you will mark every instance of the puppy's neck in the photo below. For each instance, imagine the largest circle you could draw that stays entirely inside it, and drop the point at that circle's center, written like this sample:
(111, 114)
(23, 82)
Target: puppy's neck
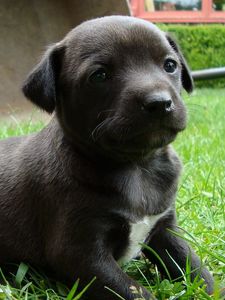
(94, 153)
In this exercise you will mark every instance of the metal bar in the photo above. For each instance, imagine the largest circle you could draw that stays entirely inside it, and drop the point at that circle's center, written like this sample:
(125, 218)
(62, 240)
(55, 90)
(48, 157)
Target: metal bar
(208, 73)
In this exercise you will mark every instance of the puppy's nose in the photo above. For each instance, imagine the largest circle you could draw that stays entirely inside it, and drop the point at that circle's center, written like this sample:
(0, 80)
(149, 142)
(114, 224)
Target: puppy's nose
(158, 103)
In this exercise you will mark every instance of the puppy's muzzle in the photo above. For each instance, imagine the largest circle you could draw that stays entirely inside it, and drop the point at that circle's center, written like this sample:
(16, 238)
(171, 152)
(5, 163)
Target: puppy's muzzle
(158, 103)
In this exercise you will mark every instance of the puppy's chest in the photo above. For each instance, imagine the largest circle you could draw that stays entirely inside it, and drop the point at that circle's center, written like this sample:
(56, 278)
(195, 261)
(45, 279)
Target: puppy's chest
(149, 198)
(146, 194)
(139, 232)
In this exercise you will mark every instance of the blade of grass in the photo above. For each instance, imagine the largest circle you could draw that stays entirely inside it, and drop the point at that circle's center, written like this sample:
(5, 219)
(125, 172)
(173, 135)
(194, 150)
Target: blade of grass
(73, 290)
(119, 297)
(159, 258)
(21, 273)
(85, 289)
(200, 247)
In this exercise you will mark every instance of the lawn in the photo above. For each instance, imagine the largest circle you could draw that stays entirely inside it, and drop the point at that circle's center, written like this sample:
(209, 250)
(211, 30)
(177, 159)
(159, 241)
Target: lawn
(200, 208)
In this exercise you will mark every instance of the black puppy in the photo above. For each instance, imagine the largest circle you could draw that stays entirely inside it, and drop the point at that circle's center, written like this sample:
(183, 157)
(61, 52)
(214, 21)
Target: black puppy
(78, 197)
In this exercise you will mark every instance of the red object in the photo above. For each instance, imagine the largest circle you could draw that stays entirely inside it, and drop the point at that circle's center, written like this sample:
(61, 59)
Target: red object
(205, 15)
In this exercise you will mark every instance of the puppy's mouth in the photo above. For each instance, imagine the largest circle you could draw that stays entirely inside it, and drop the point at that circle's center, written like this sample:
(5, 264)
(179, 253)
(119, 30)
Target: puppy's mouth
(136, 136)
(138, 146)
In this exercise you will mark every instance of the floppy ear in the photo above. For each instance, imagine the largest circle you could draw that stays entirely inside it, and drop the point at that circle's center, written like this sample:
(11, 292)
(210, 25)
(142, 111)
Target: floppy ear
(40, 85)
(187, 81)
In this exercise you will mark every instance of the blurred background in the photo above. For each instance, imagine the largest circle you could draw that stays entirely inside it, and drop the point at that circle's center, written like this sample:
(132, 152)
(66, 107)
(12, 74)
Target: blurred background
(28, 26)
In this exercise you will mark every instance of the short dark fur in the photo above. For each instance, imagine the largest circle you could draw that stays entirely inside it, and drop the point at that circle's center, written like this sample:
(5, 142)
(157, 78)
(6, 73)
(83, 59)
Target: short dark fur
(69, 193)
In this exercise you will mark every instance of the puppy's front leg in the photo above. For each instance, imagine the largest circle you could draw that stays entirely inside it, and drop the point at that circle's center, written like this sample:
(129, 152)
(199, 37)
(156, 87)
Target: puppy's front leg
(99, 263)
(164, 241)
(109, 274)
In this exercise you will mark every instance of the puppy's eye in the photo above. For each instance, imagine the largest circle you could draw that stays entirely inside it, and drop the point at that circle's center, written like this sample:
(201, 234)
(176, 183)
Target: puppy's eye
(170, 66)
(99, 76)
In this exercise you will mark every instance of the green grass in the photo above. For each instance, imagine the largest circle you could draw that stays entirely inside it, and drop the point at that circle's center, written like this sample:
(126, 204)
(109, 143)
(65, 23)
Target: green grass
(200, 208)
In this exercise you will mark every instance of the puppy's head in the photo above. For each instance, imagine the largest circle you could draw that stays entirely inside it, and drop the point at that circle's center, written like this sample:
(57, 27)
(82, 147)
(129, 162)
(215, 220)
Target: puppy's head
(115, 83)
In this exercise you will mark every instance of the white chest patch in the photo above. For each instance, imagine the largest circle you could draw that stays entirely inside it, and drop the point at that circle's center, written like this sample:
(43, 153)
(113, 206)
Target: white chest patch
(138, 234)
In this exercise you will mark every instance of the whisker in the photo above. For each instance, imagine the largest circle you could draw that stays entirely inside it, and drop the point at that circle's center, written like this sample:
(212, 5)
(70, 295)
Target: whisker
(101, 128)
(105, 111)
(97, 128)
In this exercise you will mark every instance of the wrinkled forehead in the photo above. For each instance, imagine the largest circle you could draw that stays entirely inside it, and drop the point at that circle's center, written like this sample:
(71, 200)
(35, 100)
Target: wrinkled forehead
(117, 36)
